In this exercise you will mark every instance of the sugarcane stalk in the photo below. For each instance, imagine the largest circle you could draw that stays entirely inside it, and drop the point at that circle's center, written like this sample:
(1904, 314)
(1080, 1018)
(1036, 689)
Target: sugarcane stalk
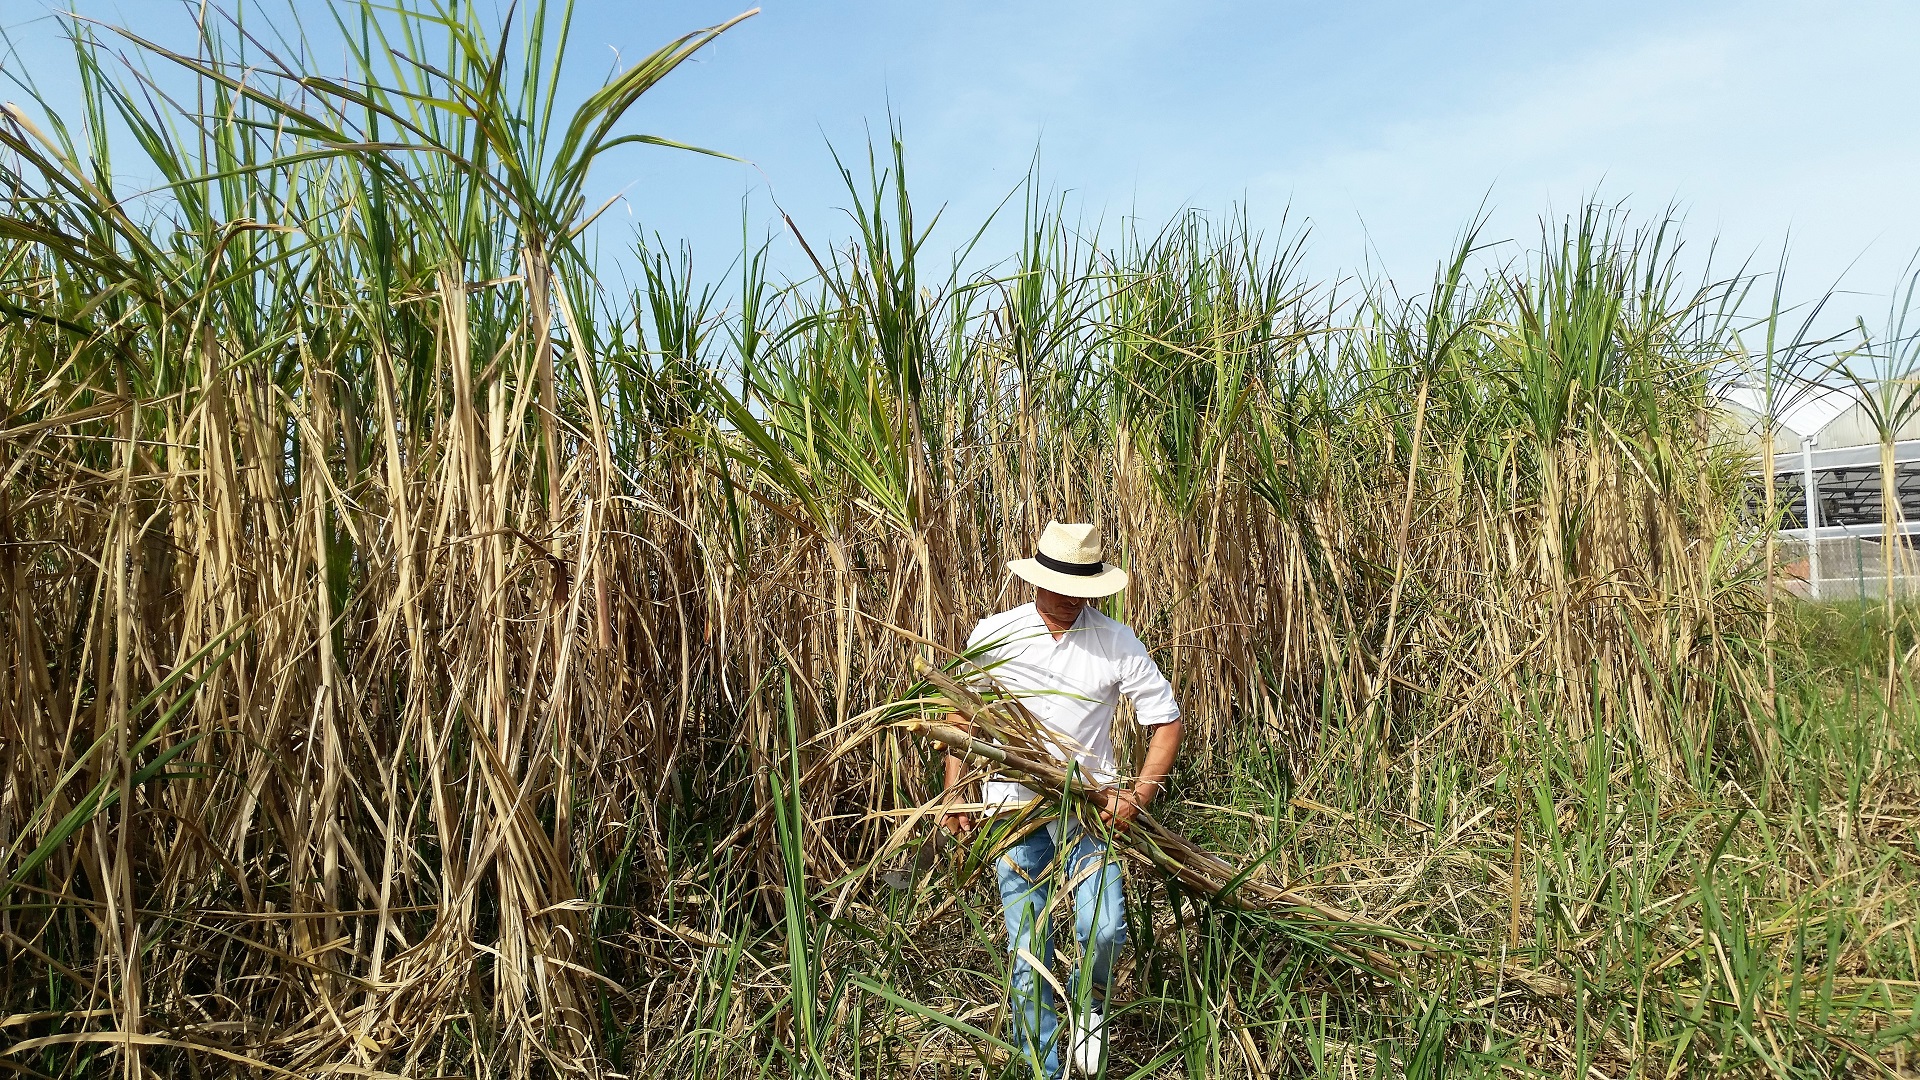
(1167, 850)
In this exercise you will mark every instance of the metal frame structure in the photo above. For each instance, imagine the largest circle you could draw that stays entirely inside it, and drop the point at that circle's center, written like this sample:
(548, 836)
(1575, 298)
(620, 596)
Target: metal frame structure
(1842, 485)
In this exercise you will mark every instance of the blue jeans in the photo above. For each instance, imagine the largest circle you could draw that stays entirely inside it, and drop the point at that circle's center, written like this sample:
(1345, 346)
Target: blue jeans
(1027, 872)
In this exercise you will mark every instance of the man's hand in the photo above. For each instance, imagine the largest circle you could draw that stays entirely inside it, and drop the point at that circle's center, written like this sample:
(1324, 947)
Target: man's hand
(960, 823)
(1119, 806)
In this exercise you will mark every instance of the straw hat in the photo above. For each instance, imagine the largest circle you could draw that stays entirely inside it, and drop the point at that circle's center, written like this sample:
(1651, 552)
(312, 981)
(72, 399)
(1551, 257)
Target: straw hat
(1067, 561)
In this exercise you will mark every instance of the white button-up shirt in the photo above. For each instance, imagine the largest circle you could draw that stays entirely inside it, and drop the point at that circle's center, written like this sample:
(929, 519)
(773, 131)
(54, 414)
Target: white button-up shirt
(1071, 685)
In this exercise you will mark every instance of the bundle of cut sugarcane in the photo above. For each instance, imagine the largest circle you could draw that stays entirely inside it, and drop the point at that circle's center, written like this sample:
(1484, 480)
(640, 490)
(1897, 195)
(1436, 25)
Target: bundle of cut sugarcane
(1015, 743)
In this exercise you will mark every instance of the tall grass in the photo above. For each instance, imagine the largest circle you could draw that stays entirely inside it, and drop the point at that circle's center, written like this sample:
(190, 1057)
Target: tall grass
(423, 660)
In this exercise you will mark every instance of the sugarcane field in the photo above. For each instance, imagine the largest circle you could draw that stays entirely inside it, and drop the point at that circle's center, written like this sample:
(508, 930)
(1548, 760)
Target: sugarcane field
(453, 624)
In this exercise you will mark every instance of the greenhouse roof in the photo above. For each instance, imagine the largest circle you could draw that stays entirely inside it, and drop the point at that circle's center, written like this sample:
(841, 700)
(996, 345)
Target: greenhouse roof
(1837, 419)
(1826, 440)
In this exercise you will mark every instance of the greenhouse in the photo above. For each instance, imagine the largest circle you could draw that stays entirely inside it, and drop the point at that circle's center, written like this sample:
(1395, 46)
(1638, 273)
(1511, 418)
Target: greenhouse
(1828, 451)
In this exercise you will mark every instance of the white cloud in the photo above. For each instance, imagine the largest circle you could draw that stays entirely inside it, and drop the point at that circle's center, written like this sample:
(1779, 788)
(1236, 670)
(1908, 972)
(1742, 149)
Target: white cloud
(1788, 120)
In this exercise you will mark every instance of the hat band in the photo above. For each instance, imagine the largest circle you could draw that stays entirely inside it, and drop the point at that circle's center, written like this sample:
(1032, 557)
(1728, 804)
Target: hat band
(1077, 569)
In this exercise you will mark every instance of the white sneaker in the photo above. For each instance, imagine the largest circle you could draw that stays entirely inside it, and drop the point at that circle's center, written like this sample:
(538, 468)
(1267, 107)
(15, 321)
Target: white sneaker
(1089, 1040)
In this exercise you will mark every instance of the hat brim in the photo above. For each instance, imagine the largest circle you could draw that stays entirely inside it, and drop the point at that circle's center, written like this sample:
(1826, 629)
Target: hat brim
(1105, 583)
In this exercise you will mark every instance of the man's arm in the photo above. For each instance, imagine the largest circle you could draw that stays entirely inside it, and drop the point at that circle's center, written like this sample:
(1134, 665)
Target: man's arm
(959, 823)
(1155, 708)
(1120, 805)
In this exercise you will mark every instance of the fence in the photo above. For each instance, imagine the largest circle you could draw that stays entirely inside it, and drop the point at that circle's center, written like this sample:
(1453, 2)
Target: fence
(1849, 568)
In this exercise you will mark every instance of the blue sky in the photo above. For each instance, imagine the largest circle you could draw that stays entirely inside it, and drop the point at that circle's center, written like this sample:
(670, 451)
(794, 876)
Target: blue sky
(1380, 126)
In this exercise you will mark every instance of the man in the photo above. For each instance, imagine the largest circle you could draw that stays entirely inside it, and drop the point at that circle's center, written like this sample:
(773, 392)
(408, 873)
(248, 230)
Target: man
(1069, 664)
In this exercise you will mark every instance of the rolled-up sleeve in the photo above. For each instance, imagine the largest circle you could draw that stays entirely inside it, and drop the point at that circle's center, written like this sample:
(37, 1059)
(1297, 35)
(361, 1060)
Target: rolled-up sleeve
(1147, 688)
